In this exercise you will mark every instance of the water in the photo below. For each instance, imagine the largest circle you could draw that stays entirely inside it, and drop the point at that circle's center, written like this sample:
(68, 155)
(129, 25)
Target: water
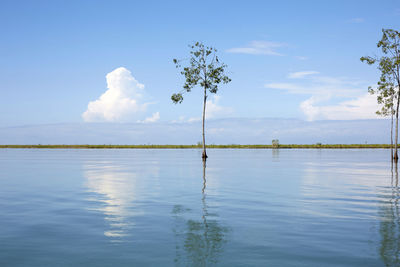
(155, 208)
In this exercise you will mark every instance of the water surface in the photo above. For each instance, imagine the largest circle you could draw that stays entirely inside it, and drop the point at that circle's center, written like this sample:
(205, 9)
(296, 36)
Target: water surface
(164, 208)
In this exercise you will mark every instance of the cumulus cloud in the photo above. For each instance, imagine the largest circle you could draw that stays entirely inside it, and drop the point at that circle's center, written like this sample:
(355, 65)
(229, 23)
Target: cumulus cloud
(214, 110)
(259, 48)
(362, 107)
(348, 96)
(155, 117)
(122, 101)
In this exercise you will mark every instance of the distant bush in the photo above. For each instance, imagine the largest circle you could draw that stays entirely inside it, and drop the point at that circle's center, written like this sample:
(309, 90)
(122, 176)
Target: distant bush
(275, 143)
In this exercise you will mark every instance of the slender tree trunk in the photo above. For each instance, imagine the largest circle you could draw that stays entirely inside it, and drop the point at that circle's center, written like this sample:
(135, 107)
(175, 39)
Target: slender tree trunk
(396, 173)
(391, 135)
(204, 177)
(396, 158)
(204, 155)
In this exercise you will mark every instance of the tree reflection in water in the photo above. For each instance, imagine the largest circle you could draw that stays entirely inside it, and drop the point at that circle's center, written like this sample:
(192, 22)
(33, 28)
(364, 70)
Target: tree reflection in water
(390, 225)
(198, 242)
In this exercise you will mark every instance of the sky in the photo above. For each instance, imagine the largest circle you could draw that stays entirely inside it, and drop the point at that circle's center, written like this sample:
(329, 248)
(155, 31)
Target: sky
(111, 61)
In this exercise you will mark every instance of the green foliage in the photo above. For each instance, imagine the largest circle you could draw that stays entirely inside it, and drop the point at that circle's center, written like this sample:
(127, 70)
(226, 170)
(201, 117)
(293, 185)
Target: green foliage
(177, 98)
(204, 69)
(387, 89)
(275, 143)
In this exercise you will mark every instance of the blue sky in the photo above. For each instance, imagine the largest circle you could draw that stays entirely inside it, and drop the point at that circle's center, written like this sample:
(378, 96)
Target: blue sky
(287, 59)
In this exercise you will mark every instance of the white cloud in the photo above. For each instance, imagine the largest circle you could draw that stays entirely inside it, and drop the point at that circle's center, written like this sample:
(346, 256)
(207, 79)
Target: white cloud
(155, 117)
(258, 48)
(322, 85)
(354, 103)
(194, 119)
(301, 74)
(291, 87)
(214, 110)
(181, 119)
(362, 107)
(121, 102)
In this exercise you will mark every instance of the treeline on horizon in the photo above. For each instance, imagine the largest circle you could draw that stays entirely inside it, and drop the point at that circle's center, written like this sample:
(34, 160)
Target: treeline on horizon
(258, 146)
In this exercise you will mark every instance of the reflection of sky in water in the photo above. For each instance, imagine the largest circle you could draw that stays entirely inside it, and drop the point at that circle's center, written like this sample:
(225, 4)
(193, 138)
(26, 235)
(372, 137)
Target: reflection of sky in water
(117, 187)
(389, 229)
(343, 190)
(199, 240)
(146, 208)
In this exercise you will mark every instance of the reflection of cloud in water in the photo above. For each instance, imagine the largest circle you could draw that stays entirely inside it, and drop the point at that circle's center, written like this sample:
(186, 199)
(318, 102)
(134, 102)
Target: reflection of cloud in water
(118, 187)
(342, 174)
(342, 190)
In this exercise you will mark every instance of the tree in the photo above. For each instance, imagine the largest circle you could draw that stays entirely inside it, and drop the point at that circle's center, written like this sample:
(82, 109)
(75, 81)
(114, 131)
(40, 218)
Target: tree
(275, 143)
(205, 70)
(386, 96)
(388, 86)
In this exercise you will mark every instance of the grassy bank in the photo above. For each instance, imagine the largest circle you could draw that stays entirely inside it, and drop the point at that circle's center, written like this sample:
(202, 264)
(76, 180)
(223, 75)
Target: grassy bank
(293, 146)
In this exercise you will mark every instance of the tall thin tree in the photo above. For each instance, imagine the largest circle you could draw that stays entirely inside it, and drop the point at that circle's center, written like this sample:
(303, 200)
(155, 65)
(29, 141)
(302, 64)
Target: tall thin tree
(206, 70)
(388, 88)
(386, 97)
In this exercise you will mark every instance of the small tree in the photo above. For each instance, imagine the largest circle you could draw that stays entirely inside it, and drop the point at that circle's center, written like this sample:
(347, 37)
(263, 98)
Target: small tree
(205, 70)
(275, 143)
(388, 87)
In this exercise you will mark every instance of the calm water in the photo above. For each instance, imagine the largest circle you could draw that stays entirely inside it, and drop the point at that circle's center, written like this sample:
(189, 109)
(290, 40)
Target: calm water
(162, 208)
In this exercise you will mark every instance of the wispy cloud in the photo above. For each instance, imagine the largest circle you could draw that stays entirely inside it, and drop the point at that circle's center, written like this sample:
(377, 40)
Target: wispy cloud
(357, 20)
(354, 103)
(259, 48)
(301, 57)
(321, 85)
(301, 74)
(122, 101)
(291, 87)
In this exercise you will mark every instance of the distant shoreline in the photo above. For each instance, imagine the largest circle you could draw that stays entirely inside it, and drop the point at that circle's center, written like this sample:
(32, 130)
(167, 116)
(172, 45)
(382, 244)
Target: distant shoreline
(282, 146)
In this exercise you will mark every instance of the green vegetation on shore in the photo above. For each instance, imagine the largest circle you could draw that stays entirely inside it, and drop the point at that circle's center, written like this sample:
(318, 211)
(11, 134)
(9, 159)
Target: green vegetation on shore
(281, 146)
